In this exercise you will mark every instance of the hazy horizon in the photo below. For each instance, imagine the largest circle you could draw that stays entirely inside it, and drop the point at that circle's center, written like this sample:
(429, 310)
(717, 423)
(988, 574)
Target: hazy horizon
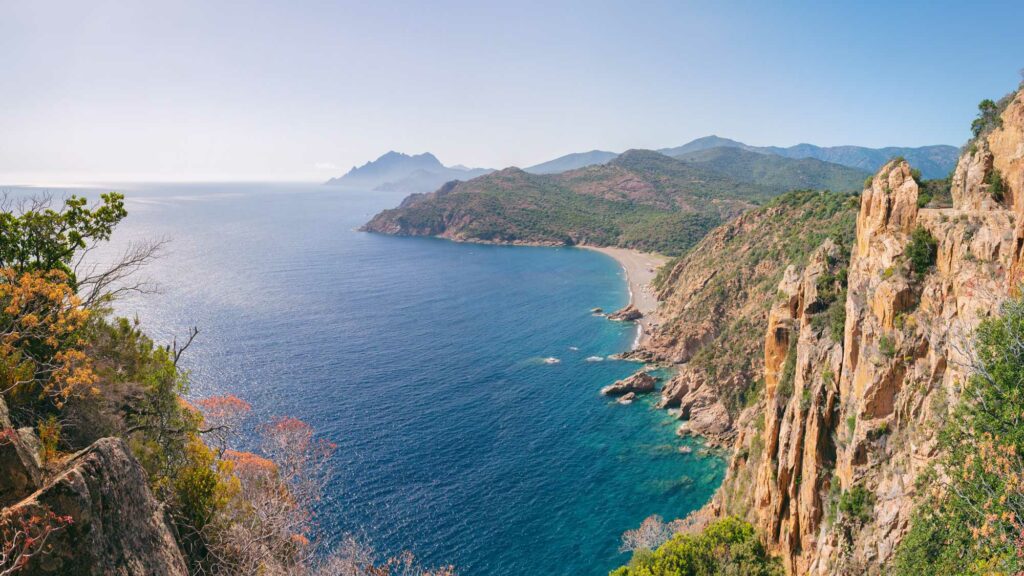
(303, 91)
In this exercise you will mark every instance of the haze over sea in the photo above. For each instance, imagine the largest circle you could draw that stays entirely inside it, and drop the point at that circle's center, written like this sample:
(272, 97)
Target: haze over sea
(423, 360)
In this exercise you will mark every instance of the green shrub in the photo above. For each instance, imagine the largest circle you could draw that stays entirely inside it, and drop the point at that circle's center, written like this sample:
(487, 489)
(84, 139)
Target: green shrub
(923, 198)
(856, 504)
(988, 118)
(996, 186)
(922, 250)
(785, 387)
(726, 547)
(972, 526)
(887, 346)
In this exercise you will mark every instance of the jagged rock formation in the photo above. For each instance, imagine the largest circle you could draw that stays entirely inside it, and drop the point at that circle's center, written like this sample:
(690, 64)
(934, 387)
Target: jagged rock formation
(716, 300)
(116, 525)
(639, 383)
(861, 415)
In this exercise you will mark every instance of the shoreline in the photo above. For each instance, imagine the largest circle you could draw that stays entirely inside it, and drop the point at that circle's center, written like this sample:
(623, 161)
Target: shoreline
(640, 269)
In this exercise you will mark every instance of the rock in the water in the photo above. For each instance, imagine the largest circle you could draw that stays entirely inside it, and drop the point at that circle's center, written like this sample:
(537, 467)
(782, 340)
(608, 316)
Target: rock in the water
(628, 398)
(117, 526)
(627, 314)
(597, 310)
(639, 383)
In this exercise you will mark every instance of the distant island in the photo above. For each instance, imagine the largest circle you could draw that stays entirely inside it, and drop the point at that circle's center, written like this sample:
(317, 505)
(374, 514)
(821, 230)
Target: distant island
(397, 172)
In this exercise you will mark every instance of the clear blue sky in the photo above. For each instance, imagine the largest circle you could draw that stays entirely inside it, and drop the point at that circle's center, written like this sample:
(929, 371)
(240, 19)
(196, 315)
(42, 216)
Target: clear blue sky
(303, 90)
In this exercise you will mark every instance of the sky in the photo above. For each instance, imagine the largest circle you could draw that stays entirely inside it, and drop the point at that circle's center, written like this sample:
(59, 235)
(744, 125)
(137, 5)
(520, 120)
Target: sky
(303, 90)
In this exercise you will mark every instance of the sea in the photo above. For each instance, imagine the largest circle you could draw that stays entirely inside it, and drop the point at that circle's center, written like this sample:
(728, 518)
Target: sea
(460, 382)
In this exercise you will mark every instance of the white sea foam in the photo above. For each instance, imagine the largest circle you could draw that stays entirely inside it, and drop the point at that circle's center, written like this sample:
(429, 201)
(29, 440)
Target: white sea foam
(595, 358)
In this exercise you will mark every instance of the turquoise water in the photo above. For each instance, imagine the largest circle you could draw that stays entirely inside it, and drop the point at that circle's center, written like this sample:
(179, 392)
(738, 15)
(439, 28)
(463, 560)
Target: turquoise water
(422, 360)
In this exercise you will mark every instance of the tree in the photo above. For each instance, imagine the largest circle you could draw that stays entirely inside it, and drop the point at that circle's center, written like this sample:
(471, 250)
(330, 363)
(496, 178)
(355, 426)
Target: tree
(41, 352)
(653, 532)
(35, 236)
(972, 519)
(988, 118)
(922, 250)
(728, 546)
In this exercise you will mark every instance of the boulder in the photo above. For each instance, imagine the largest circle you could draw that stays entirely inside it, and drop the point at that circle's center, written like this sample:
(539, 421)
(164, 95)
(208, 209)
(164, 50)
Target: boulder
(640, 383)
(628, 314)
(116, 525)
(627, 398)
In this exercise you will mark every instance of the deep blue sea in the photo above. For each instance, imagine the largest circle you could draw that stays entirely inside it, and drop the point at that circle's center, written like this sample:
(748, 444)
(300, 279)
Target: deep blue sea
(423, 360)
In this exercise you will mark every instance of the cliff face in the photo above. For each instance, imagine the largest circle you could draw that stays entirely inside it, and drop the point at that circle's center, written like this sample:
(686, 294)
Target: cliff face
(826, 463)
(716, 301)
(115, 526)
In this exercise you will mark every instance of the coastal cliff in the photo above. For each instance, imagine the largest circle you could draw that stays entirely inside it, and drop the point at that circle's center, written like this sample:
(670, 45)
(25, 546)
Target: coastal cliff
(716, 300)
(826, 464)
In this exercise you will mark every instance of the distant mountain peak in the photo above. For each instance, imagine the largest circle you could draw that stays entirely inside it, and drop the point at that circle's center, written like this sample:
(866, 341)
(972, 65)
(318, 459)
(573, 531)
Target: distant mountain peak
(572, 162)
(399, 171)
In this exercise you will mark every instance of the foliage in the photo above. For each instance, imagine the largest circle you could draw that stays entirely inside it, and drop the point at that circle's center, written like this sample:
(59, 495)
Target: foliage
(935, 193)
(971, 524)
(922, 250)
(25, 534)
(988, 118)
(653, 532)
(41, 357)
(36, 237)
(49, 438)
(887, 346)
(786, 379)
(728, 546)
(856, 504)
(996, 186)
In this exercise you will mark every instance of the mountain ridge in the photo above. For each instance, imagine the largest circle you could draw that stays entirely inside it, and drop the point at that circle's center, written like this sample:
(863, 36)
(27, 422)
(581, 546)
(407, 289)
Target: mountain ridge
(640, 199)
(934, 161)
(397, 171)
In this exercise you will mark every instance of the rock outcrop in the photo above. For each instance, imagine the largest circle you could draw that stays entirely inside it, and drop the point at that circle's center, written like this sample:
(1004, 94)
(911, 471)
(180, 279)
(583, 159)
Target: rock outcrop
(716, 300)
(116, 526)
(19, 461)
(639, 383)
(627, 314)
(859, 409)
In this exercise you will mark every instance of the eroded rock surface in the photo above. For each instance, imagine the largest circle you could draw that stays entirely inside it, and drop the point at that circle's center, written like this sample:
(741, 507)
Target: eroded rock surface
(117, 527)
(860, 408)
(639, 383)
